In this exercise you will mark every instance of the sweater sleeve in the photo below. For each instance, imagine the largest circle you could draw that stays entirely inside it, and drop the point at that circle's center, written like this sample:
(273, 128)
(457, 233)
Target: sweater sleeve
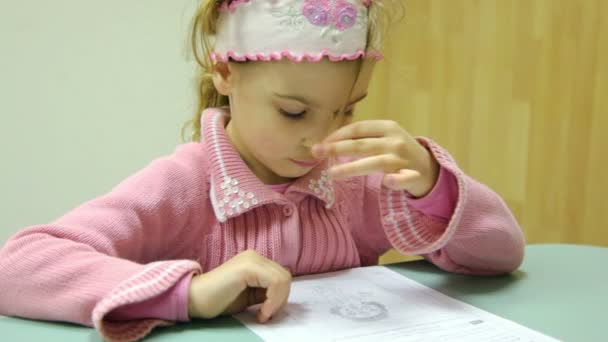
(172, 305)
(480, 237)
(125, 247)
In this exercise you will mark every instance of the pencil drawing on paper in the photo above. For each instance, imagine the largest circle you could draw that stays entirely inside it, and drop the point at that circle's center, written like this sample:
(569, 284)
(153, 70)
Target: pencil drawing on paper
(357, 307)
(361, 311)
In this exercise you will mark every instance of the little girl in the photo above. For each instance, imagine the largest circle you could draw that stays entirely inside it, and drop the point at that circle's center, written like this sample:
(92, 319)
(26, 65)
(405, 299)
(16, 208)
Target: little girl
(278, 182)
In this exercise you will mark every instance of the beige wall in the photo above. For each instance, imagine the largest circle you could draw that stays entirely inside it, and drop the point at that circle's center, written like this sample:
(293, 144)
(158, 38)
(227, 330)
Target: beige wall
(518, 92)
(90, 92)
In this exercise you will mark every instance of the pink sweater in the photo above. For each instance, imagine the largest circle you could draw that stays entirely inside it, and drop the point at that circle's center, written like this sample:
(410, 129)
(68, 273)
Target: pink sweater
(190, 212)
(173, 304)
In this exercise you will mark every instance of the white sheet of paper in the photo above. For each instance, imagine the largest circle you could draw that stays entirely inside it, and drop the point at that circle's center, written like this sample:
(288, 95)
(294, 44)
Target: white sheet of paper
(377, 304)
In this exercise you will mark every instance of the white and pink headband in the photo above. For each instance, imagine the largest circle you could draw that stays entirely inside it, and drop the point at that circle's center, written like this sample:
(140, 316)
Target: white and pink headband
(298, 30)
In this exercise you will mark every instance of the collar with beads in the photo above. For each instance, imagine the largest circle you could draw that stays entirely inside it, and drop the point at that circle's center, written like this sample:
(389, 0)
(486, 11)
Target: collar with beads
(234, 188)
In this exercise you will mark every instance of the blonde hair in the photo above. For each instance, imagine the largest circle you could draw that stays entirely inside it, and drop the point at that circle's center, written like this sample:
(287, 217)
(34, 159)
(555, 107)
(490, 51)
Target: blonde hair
(203, 26)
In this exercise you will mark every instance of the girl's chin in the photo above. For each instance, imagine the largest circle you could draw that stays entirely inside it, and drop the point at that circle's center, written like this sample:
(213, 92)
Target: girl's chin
(295, 171)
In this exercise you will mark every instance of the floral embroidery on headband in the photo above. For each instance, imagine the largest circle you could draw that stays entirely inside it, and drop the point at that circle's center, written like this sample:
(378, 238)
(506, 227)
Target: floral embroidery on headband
(340, 13)
(333, 15)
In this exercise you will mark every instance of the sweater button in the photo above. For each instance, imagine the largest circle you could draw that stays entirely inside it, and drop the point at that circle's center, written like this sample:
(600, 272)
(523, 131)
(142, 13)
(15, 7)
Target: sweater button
(287, 210)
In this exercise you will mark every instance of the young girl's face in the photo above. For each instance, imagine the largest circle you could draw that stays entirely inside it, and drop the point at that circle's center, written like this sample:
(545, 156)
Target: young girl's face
(280, 109)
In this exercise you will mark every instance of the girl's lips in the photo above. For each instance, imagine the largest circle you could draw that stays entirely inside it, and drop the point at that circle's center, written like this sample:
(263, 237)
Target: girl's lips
(305, 163)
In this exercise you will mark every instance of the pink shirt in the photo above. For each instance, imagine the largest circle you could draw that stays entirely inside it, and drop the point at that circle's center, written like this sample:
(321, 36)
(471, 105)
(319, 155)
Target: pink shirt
(190, 212)
(280, 188)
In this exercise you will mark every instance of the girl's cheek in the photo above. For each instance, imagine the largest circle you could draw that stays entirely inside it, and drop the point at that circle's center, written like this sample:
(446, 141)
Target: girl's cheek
(277, 142)
(272, 144)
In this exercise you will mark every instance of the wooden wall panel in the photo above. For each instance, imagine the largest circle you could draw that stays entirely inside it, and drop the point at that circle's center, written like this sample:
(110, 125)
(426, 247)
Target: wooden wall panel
(518, 92)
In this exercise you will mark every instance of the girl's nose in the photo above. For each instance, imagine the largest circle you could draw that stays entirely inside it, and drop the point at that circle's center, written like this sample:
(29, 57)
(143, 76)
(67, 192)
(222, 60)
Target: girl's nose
(308, 143)
(323, 130)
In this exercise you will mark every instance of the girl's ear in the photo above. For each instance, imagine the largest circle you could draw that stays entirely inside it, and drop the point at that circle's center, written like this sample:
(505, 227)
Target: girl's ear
(223, 78)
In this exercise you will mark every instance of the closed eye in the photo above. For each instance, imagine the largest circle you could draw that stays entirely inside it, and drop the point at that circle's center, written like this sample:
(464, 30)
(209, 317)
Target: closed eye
(294, 116)
(300, 115)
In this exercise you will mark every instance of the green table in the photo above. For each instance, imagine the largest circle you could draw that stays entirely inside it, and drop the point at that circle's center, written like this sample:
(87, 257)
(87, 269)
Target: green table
(560, 290)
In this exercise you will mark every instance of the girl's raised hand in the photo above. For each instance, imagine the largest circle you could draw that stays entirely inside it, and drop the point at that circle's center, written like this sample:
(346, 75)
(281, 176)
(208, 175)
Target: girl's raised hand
(246, 279)
(384, 147)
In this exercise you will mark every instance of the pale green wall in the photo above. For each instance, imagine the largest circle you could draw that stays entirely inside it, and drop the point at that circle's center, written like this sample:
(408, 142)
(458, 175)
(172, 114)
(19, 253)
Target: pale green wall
(90, 92)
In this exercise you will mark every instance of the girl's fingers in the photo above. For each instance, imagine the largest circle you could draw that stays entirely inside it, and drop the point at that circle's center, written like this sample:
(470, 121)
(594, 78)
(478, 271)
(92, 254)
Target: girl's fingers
(401, 180)
(364, 129)
(280, 291)
(251, 296)
(386, 163)
(352, 147)
(286, 278)
(277, 282)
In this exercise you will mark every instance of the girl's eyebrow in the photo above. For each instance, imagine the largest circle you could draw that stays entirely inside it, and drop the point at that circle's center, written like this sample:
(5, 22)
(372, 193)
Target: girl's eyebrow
(312, 103)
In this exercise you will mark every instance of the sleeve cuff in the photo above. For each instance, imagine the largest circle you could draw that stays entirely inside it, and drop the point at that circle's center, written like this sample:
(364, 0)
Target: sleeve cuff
(171, 305)
(155, 280)
(181, 297)
(412, 225)
(442, 199)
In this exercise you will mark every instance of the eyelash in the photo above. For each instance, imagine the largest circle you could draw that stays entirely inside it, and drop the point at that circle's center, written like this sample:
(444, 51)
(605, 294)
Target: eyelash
(298, 116)
(293, 116)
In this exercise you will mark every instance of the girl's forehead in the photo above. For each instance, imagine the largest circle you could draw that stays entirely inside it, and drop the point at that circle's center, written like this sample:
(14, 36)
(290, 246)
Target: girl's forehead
(327, 88)
(311, 69)
(311, 73)
(322, 83)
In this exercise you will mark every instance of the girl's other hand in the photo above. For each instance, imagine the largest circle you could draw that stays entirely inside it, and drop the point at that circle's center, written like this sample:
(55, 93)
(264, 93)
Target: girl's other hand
(246, 279)
(384, 147)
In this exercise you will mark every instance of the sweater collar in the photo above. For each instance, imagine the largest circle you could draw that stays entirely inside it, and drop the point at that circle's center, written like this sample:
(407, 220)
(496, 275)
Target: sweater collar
(234, 188)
